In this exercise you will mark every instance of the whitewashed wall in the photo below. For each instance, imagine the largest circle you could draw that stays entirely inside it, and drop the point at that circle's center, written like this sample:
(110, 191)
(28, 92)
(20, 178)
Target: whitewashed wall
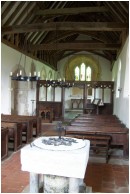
(9, 61)
(10, 58)
(121, 103)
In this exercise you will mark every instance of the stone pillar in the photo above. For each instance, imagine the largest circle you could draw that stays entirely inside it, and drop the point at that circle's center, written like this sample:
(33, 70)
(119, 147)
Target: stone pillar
(73, 185)
(34, 183)
(55, 184)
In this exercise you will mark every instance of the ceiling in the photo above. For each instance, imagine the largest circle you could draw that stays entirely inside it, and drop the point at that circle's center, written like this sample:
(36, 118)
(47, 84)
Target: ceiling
(51, 30)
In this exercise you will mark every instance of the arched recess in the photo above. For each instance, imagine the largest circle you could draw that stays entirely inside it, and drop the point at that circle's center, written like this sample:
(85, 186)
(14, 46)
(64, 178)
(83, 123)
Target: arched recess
(77, 60)
(43, 74)
(42, 91)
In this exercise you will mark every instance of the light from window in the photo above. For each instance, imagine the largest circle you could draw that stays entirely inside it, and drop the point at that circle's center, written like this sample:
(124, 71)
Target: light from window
(83, 73)
(77, 73)
(88, 74)
(118, 80)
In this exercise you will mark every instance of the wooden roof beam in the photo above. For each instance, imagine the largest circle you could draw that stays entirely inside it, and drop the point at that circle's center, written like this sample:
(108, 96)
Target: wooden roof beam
(71, 11)
(75, 46)
(78, 26)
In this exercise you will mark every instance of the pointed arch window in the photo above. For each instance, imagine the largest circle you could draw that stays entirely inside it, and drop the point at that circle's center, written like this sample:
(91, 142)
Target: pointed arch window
(88, 73)
(83, 73)
(77, 73)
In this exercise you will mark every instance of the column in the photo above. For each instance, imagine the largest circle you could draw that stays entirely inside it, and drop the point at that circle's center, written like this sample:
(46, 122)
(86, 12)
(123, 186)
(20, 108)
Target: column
(73, 185)
(34, 183)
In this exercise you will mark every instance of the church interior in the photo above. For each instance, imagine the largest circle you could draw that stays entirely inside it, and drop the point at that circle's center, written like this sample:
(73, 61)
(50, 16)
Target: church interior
(65, 96)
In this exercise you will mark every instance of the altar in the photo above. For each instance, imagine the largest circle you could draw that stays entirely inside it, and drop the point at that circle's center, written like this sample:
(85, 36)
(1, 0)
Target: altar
(63, 169)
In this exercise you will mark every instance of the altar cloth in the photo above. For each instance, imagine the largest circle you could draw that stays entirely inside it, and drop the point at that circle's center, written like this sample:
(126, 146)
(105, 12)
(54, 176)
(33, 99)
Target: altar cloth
(61, 163)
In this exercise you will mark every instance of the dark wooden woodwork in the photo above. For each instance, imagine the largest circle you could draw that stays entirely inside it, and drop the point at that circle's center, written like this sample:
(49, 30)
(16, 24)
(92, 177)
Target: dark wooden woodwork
(106, 22)
(98, 143)
(36, 122)
(82, 26)
(4, 142)
(118, 134)
(76, 103)
(55, 106)
(93, 124)
(14, 134)
(27, 125)
(76, 46)
(46, 114)
(107, 108)
(71, 11)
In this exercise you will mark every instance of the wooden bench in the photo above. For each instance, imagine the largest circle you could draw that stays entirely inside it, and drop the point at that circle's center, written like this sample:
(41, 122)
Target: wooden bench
(36, 122)
(119, 135)
(14, 134)
(93, 124)
(98, 143)
(97, 116)
(4, 142)
(27, 125)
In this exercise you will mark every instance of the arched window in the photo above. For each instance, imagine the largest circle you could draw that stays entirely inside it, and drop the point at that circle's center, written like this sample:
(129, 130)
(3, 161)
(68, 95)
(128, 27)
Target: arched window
(118, 80)
(77, 73)
(88, 74)
(83, 73)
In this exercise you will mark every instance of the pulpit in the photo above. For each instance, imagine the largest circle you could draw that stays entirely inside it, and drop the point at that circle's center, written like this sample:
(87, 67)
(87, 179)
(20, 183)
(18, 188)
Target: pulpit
(63, 162)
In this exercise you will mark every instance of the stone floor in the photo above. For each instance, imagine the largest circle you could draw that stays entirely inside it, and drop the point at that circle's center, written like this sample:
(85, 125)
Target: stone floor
(100, 177)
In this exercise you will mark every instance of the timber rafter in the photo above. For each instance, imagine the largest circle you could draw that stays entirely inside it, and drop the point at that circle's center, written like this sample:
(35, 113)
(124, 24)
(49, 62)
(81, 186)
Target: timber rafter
(80, 26)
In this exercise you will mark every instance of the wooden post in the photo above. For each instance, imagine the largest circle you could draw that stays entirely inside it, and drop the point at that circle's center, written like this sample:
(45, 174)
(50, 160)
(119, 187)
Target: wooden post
(63, 101)
(94, 93)
(84, 97)
(46, 93)
(53, 94)
(37, 99)
(103, 95)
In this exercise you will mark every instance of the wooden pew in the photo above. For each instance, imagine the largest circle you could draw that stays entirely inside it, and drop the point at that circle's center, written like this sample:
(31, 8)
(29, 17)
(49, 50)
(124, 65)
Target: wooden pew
(114, 119)
(98, 143)
(27, 125)
(35, 120)
(93, 124)
(4, 142)
(118, 134)
(14, 134)
(96, 116)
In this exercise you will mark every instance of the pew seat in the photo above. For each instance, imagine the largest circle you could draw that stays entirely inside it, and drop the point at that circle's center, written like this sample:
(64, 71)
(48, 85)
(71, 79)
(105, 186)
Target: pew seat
(14, 134)
(119, 135)
(4, 142)
(98, 143)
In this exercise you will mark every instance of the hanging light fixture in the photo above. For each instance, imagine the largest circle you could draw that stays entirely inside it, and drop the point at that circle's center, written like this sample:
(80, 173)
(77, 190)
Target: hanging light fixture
(58, 83)
(21, 77)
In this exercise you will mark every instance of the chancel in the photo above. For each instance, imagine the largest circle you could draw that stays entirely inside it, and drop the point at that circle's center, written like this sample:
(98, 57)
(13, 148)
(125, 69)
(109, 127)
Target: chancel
(65, 96)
